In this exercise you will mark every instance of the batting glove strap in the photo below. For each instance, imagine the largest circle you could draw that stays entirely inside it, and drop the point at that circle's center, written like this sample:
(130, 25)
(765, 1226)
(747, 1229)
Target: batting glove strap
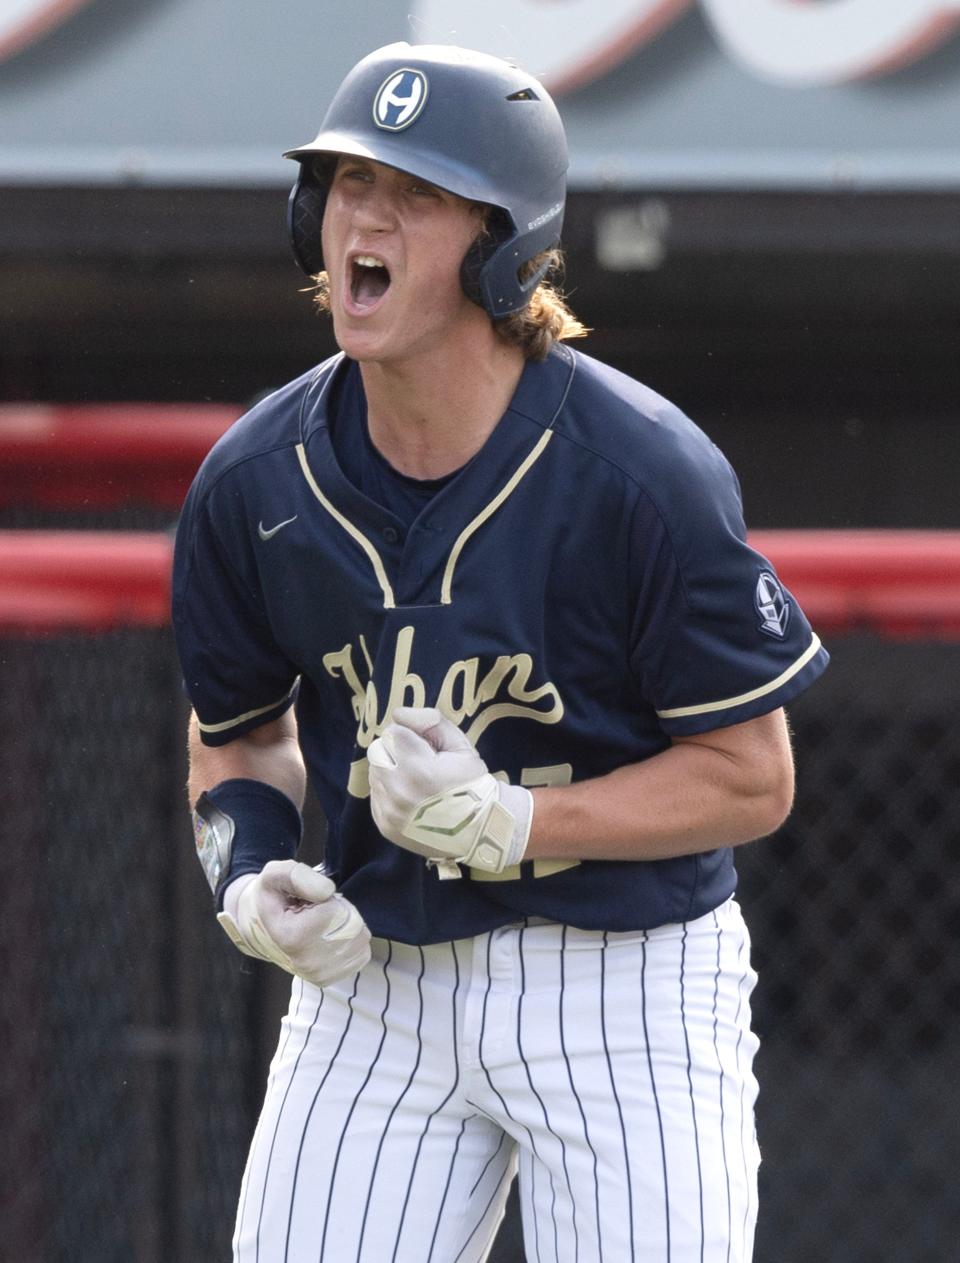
(483, 823)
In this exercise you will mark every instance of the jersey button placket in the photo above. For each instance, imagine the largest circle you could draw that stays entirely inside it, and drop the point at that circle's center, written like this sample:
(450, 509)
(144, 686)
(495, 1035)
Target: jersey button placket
(424, 553)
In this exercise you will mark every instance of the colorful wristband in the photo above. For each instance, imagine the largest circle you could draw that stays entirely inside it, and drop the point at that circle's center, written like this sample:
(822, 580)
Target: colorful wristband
(239, 826)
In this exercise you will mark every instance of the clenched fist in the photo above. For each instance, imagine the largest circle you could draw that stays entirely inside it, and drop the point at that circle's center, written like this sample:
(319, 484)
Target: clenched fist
(431, 793)
(290, 914)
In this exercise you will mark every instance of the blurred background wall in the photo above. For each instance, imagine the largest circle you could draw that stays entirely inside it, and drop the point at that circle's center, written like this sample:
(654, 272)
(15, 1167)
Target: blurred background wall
(763, 225)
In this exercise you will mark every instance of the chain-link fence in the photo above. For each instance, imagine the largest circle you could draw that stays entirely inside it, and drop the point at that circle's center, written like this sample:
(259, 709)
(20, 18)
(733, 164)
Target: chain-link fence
(135, 1040)
(855, 908)
(125, 1027)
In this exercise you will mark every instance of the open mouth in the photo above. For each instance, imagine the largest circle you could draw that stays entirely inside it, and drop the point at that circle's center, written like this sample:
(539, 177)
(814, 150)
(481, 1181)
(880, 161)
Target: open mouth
(369, 280)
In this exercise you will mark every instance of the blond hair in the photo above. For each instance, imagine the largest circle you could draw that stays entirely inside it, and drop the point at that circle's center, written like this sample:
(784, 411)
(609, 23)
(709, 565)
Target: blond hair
(546, 319)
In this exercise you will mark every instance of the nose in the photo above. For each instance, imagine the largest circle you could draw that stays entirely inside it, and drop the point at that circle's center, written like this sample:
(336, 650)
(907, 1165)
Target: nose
(376, 209)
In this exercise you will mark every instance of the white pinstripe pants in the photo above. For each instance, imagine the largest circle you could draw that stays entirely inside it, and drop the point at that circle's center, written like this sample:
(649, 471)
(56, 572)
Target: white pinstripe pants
(613, 1071)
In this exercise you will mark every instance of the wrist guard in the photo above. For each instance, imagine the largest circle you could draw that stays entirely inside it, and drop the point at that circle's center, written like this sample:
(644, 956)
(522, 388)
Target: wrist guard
(239, 826)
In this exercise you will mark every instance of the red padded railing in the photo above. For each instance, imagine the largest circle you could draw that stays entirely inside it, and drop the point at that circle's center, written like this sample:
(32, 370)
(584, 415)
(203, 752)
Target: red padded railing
(105, 455)
(904, 584)
(92, 580)
(900, 583)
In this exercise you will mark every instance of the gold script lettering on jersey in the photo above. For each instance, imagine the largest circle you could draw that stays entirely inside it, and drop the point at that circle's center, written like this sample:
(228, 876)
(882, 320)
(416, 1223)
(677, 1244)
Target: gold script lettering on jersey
(466, 693)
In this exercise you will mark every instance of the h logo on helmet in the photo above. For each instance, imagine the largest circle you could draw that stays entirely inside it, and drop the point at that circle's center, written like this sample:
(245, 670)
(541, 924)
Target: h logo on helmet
(400, 100)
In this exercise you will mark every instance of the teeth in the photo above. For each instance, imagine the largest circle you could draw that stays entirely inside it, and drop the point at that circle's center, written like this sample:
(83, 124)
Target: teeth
(369, 261)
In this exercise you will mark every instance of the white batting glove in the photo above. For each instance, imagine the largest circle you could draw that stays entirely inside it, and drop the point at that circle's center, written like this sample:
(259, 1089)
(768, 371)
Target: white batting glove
(291, 915)
(431, 793)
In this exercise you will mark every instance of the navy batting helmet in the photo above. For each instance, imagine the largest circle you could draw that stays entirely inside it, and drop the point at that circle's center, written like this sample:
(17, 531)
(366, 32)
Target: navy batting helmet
(466, 122)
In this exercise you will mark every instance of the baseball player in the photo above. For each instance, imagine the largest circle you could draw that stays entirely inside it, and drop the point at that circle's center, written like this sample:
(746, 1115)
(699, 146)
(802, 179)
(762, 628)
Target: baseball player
(494, 600)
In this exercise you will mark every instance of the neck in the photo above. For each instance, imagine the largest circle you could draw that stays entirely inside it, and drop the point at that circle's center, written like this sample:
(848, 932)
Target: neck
(430, 415)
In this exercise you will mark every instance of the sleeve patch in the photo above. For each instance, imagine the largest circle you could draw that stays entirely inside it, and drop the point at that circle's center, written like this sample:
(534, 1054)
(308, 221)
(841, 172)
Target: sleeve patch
(773, 607)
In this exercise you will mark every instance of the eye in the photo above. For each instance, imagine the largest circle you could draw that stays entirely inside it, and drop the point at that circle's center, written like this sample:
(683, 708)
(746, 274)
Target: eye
(354, 172)
(421, 189)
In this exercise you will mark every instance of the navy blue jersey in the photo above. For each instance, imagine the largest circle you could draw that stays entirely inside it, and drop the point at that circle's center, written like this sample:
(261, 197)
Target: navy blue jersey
(577, 595)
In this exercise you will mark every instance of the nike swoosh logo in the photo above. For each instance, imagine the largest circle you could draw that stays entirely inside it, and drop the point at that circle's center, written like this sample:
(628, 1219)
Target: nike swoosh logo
(269, 534)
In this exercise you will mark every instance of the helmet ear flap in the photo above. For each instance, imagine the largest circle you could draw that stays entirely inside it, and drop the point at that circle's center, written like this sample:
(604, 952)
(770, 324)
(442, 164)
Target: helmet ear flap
(490, 271)
(305, 207)
(497, 230)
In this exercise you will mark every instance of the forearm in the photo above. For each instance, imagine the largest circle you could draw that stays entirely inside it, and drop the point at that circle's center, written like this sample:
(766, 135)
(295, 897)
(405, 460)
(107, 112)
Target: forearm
(723, 789)
(432, 793)
(270, 753)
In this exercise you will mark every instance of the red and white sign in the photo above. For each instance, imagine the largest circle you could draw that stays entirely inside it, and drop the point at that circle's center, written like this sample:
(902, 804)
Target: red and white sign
(24, 21)
(799, 43)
